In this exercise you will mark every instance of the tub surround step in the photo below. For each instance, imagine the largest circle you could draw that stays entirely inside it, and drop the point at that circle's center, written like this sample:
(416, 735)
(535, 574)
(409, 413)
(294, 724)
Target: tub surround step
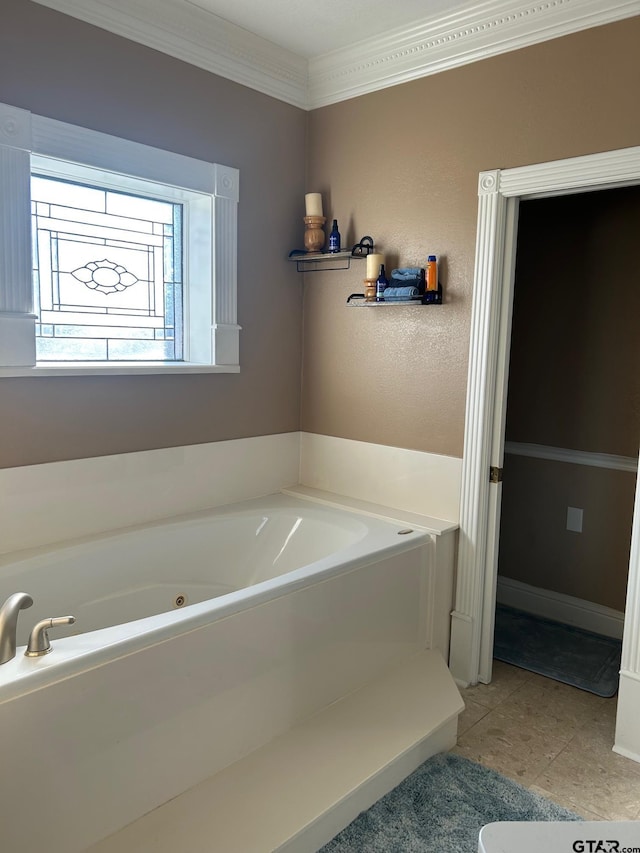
(298, 791)
(435, 526)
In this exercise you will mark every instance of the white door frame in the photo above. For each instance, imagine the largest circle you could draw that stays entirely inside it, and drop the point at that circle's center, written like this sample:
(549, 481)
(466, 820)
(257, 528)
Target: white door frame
(499, 192)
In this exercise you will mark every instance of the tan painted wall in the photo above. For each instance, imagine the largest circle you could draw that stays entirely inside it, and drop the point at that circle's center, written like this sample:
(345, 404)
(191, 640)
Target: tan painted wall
(402, 165)
(574, 383)
(57, 66)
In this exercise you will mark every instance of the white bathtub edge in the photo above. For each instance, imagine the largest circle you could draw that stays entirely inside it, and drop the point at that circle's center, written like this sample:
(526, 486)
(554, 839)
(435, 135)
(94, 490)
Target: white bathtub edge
(435, 526)
(74, 655)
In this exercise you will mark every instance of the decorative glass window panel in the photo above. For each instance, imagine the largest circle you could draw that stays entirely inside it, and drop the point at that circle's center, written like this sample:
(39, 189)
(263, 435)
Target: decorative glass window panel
(107, 274)
(189, 327)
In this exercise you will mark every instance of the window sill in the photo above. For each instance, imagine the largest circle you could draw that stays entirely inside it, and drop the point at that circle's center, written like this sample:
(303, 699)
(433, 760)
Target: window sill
(122, 369)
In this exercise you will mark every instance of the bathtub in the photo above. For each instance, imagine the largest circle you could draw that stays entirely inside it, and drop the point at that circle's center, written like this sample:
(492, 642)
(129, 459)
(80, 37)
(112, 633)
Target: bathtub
(196, 641)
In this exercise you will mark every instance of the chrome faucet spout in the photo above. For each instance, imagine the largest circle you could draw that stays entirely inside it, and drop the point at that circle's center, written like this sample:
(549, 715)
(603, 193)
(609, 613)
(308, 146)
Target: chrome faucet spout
(9, 623)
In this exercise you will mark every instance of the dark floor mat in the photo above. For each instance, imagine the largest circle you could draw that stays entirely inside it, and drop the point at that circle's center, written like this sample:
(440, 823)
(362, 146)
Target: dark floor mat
(571, 655)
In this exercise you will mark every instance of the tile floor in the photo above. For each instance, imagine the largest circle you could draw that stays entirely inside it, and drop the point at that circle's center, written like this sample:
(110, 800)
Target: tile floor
(552, 738)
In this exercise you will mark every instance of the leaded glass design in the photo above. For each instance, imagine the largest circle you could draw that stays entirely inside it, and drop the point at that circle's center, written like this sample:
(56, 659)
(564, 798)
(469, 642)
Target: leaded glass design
(107, 274)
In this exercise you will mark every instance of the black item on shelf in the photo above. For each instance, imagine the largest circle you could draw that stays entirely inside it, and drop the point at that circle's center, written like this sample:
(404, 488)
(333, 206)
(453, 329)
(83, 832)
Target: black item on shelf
(363, 248)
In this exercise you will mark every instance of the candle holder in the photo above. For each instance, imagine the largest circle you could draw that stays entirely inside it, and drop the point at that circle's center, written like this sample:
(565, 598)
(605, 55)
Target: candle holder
(314, 235)
(370, 290)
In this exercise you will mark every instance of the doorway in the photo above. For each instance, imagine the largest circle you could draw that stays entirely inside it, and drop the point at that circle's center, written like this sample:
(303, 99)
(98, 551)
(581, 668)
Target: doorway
(500, 192)
(572, 426)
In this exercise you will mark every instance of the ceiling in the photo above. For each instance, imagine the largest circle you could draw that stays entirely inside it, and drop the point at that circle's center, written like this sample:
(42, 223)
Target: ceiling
(314, 54)
(312, 29)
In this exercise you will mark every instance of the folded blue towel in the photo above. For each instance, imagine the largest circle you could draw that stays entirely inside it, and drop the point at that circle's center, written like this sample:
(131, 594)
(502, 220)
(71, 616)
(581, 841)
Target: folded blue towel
(407, 272)
(407, 282)
(408, 275)
(400, 293)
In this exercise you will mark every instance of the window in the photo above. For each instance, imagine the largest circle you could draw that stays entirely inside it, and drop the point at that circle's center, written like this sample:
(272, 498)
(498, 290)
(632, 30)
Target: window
(128, 260)
(107, 274)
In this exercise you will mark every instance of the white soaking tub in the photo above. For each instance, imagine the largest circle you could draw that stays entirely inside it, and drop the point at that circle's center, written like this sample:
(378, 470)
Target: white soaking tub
(196, 641)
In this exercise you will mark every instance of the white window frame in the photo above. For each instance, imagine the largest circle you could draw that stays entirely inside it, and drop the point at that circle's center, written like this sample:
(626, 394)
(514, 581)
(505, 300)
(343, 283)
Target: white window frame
(210, 194)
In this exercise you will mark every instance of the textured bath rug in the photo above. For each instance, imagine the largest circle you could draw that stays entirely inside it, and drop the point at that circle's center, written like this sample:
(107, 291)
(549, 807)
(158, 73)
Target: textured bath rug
(441, 808)
(567, 654)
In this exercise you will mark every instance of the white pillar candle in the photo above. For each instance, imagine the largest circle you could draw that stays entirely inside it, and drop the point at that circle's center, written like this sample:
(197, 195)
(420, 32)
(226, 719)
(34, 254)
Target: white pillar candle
(373, 265)
(313, 204)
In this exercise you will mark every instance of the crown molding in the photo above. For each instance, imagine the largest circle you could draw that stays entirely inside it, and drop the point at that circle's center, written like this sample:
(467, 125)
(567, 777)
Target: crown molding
(438, 44)
(188, 32)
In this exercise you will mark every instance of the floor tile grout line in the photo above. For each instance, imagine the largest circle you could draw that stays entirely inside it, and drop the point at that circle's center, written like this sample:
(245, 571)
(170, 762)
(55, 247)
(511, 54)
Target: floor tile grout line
(553, 759)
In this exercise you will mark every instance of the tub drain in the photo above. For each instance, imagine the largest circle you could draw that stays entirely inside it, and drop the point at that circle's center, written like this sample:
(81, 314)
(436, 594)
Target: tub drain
(180, 600)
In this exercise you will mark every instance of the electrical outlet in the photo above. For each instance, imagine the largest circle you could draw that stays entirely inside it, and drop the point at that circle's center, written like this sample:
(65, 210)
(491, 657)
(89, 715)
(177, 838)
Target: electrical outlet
(574, 519)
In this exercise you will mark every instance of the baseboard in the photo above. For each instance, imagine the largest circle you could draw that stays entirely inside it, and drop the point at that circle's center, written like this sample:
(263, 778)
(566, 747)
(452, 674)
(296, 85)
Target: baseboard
(562, 608)
(627, 729)
(634, 756)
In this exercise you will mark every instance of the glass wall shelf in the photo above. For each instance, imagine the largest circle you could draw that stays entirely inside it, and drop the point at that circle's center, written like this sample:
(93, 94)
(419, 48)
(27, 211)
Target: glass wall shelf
(317, 261)
(357, 300)
(405, 303)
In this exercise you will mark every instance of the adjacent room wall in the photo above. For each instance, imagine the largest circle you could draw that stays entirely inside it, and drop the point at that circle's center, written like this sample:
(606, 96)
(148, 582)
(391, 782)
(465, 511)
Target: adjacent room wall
(56, 66)
(402, 165)
(575, 348)
(574, 384)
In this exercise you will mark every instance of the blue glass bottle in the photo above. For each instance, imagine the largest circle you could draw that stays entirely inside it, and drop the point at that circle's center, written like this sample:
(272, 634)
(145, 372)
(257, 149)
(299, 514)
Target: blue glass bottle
(381, 284)
(334, 238)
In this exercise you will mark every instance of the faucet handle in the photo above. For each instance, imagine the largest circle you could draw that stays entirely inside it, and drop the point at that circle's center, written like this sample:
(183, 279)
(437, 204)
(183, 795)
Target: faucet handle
(39, 638)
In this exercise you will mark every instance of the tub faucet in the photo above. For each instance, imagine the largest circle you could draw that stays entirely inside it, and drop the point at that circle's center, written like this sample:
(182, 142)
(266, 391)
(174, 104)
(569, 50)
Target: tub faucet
(9, 623)
(39, 644)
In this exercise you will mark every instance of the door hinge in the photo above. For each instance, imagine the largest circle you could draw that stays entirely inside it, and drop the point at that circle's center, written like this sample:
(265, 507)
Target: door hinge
(495, 474)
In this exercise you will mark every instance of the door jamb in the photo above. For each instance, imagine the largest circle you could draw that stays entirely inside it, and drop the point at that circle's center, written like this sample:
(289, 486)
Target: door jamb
(472, 623)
